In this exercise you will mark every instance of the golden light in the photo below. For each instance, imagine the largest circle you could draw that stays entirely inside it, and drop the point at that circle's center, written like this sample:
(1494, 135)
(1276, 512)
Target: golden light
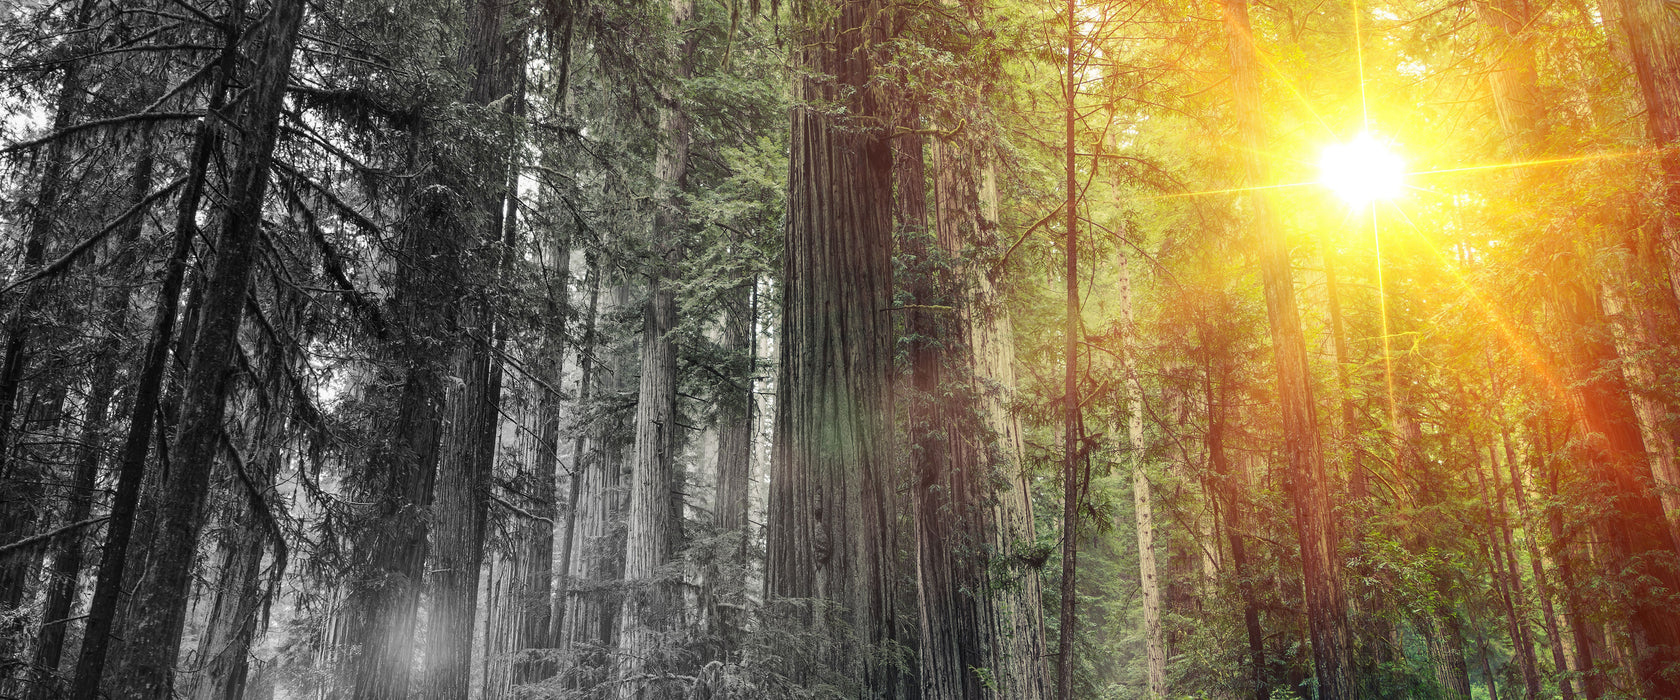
(1362, 171)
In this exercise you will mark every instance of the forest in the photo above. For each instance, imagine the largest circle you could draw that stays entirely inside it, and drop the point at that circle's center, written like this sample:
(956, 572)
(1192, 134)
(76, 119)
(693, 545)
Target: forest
(839, 349)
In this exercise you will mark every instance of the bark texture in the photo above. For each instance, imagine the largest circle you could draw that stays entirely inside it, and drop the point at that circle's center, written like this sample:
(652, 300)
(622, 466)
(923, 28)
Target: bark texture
(1653, 32)
(1155, 670)
(653, 527)
(734, 467)
(832, 501)
(978, 639)
(592, 601)
(490, 61)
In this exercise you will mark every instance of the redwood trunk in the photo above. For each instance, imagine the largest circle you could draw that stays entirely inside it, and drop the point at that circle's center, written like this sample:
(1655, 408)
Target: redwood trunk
(653, 603)
(1654, 45)
(1309, 485)
(832, 498)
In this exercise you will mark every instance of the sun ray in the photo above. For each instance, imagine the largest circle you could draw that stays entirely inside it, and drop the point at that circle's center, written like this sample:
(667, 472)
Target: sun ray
(1506, 330)
(1228, 190)
(1420, 173)
(1540, 162)
(1359, 58)
(1387, 335)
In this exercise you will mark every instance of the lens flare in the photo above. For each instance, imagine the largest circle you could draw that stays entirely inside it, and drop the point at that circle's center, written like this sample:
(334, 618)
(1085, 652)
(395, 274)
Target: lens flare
(1362, 171)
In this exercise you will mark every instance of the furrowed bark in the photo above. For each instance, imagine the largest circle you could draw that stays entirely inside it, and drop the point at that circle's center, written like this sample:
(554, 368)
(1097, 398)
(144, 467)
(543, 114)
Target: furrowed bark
(977, 640)
(592, 603)
(832, 500)
(734, 466)
(390, 553)
(1637, 542)
(587, 380)
(1653, 34)
(652, 605)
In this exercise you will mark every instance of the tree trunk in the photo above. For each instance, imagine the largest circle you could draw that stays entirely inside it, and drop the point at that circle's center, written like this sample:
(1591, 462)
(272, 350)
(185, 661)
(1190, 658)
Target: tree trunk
(162, 596)
(131, 471)
(1359, 479)
(975, 640)
(734, 465)
(399, 481)
(391, 553)
(1072, 492)
(20, 493)
(534, 591)
(541, 584)
(460, 507)
(16, 516)
(1156, 670)
(491, 62)
(832, 498)
(1542, 587)
(1308, 480)
(1444, 638)
(1637, 542)
(225, 645)
(992, 336)
(1653, 33)
(1373, 630)
(1231, 485)
(587, 380)
(1511, 68)
(592, 604)
(653, 602)
(251, 535)
(1505, 555)
(67, 550)
(1580, 626)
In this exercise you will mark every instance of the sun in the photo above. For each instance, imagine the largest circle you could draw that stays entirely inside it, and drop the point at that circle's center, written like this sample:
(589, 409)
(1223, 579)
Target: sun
(1362, 171)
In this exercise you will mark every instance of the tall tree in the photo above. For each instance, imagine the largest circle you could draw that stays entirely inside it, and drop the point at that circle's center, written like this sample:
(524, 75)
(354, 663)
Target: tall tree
(652, 608)
(492, 63)
(69, 549)
(1653, 32)
(1072, 491)
(162, 600)
(592, 603)
(832, 497)
(1142, 497)
(1308, 480)
(131, 469)
(1639, 541)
